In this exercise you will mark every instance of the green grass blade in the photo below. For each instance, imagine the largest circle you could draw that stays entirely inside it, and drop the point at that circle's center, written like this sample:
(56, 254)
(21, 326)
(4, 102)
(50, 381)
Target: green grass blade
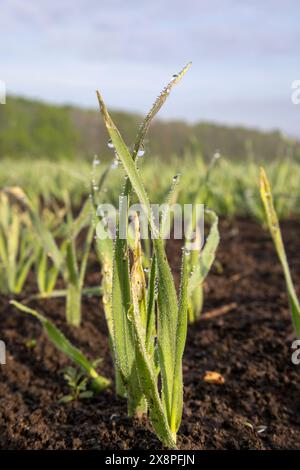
(273, 224)
(105, 251)
(181, 332)
(123, 340)
(170, 199)
(51, 278)
(3, 247)
(150, 329)
(85, 254)
(47, 241)
(82, 220)
(166, 324)
(41, 270)
(207, 255)
(127, 161)
(13, 237)
(121, 299)
(148, 382)
(64, 345)
(167, 300)
(160, 100)
(22, 273)
(88, 291)
(72, 267)
(73, 307)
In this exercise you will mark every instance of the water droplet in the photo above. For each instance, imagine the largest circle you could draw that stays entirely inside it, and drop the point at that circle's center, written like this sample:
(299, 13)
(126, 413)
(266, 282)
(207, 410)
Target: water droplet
(146, 270)
(96, 161)
(176, 178)
(186, 251)
(141, 151)
(96, 188)
(110, 144)
(174, 76)
(168, 90)
(129, 314)
(115, 163)
(217, 155)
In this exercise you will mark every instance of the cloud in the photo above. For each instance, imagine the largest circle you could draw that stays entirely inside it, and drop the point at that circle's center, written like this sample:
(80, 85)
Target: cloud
(155, 31)
(61, 50)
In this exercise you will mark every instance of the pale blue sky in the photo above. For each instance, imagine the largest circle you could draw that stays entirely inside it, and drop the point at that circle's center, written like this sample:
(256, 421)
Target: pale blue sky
(245, 56)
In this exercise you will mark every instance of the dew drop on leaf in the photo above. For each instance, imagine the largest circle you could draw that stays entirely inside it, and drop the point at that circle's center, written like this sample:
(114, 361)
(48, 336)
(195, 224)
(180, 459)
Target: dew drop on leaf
(115, 163)
(141, 151)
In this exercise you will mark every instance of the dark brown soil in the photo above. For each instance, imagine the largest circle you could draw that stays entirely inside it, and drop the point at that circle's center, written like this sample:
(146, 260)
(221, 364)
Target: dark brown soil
(250, 345)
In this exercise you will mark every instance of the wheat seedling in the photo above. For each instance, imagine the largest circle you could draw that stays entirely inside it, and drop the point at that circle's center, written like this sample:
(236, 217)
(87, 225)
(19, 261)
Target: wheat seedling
(148, 334)
(273, 224)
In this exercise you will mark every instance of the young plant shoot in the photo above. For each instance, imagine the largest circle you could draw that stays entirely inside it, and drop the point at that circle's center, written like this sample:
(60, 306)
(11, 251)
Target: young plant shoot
(149, 323)
(59, 340)
(65, 258)
(273, 224)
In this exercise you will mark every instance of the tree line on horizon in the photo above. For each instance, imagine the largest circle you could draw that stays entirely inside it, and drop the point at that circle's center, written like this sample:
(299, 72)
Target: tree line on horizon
(34, 129)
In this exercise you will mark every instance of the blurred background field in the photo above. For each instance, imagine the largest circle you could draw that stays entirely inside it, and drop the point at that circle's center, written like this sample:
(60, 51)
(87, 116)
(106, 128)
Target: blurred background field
(38, 130)
(48, 150)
